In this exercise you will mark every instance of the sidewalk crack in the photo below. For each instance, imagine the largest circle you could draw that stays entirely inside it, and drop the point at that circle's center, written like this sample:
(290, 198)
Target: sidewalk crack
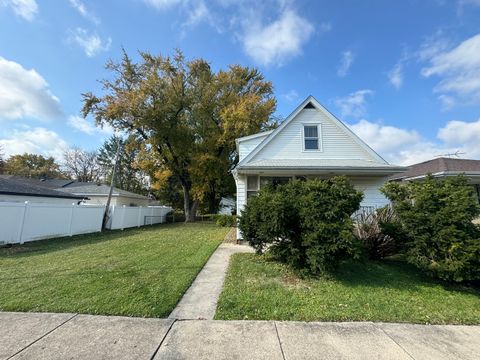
(41, 337)
(279, 341)
(391, 338)
(163, 339)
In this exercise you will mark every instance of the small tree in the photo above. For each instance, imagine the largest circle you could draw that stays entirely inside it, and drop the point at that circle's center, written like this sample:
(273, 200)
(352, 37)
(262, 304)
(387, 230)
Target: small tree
(82, 165)
(128, 176)
(436, 216)
(2, 161)
(305, 224)
(32, 166)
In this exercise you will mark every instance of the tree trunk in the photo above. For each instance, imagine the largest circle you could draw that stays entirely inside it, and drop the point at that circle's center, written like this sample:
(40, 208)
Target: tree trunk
(189, 206)
(211, 199)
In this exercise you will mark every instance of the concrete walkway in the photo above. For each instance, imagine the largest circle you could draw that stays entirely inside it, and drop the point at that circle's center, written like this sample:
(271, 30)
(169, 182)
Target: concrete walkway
(72, 336)
(200, 300)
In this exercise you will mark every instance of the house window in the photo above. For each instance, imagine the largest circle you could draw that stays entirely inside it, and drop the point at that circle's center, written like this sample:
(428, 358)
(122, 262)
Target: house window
(310, 137)
(252, 185)
(477, 191)
(274, 180)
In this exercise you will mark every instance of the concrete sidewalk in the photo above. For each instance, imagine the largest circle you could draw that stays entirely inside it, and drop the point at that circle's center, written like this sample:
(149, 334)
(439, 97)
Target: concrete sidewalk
(200, 300)
(71, 336)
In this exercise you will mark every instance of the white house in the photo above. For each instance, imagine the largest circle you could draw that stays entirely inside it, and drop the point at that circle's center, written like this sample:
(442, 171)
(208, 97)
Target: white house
(17, 189)
(310, 143)
(97, 193)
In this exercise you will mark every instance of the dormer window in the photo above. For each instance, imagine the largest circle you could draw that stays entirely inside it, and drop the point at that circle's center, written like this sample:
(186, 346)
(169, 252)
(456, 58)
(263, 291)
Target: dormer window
(311, 137)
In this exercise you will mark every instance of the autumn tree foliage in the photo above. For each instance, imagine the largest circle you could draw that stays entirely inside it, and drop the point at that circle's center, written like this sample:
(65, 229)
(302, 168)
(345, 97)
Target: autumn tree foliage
(32, 166)
(185, 117)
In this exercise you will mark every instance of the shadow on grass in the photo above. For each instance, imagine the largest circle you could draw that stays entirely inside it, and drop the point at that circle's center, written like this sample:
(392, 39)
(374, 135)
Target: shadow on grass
(62, 243)
(394, 273)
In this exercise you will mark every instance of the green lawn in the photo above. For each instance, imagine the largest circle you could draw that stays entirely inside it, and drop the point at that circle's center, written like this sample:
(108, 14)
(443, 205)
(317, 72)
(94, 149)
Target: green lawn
(391, 291)
(136, 272)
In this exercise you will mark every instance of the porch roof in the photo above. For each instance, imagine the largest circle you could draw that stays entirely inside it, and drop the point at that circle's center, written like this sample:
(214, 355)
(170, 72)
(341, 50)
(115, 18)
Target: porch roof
(314, 166)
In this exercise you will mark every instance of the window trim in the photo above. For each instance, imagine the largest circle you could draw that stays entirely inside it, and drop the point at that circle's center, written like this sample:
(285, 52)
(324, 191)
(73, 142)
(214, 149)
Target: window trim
(319, 137)
(250, 190)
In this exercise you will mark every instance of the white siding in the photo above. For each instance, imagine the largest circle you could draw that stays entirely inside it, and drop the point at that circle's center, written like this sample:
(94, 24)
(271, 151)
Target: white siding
(116, 200)
(245, 147)
(336, 143)
(370, 186)
(241, 181)
(37, 199)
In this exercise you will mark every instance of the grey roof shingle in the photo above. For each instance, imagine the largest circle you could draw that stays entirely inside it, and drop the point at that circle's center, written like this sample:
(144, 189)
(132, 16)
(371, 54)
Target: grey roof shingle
(439, 165)
(89, 188)
(25, 188)
(317, 164)
(47, 183)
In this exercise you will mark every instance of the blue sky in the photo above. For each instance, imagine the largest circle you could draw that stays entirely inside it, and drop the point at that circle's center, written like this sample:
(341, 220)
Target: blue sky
(405, 75)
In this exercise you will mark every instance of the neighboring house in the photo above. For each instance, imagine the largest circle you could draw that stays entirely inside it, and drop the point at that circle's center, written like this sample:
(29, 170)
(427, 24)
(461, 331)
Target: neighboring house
(310, 143)
(227, 206)
(14, 189)
(98, 194)
(442, 168)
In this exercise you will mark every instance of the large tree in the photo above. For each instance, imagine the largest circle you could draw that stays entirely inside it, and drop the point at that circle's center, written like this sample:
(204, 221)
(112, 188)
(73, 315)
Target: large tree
(184, 116)
(2, 161)
(32, 166)
(128, 176)
(82, 165)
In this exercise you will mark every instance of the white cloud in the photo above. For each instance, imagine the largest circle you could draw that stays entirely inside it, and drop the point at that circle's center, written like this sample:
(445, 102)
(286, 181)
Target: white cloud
(385, 138)
(346, 62)
(26, 9)
(25, 93)
(85, 126)
(163, 4)
(395, 76)
(407, 147)
(458, 68)
(82, 9)
(325, 27)
(91, 43)
(278, 41)
(38, 140)
(461, 132)
(290, 96)
(447, 101)
(354, 104)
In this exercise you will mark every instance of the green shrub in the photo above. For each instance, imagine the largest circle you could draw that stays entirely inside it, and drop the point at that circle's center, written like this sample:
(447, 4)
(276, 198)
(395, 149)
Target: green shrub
(436, 216)
(175, 216)
(224, 220)
(306, 224)
(378, 232)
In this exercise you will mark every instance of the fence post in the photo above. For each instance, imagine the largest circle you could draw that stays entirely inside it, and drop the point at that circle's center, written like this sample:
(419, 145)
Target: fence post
(111, 212)
(139, 216)
(151, 216)
(71, 219)
(20, 238)
(123, 217)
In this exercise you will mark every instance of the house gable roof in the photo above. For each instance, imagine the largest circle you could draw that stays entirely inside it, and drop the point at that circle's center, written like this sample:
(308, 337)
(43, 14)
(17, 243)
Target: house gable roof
(46, 183)
(24, 188)
(97, 189)
(311, 103)
(440, 166)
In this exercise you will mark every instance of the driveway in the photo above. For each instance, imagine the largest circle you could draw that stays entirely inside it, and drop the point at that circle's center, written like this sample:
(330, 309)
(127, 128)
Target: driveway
(72, 336)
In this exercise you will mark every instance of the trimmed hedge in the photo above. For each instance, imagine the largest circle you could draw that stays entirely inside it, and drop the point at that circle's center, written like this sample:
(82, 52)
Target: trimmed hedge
(436, 217)
(224, 220)
(306, 224)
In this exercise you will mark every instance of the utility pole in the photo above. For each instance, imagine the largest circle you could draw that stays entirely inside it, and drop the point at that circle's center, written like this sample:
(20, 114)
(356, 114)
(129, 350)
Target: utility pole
(106, 214)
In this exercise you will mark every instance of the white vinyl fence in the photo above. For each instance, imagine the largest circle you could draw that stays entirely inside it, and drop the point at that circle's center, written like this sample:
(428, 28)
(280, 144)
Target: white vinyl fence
(22, 222)
(122, 217)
